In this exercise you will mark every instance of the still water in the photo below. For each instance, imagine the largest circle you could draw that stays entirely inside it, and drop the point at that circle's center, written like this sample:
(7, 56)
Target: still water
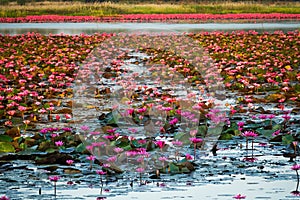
(90, 28)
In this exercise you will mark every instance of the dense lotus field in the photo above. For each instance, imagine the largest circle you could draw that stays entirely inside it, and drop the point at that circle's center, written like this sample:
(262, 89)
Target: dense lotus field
(170, 18)
(258, 72)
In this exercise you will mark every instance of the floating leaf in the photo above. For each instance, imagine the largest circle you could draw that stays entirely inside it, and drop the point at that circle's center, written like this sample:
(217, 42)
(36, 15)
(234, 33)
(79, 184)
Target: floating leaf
(135, 143)
(51, 150)
(183, 137)
(5, 138)
(172, 168)
(72, 171)
(23, 146)
(202, 130)
(264, 132)
(80, 148)
(225, 136)
(6, 147)
(287, 139)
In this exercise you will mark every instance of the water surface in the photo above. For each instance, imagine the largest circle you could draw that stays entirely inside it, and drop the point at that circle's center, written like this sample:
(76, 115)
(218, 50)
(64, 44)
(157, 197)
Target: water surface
(90, 28)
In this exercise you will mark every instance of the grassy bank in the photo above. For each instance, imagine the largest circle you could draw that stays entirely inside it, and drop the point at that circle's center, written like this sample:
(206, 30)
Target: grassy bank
(107, 9)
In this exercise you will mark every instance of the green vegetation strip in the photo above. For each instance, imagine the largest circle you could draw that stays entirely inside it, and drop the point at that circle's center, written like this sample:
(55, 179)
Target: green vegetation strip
(108, 9)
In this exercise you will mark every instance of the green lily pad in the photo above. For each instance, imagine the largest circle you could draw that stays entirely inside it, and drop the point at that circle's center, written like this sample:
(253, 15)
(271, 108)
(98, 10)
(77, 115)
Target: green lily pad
(80, 148)
(226, 136)
(183, 137)
(173, 168)
(264, 132)
(287, 139)
(6, 147)
(202, 130)
(51, 150)
(5, 138)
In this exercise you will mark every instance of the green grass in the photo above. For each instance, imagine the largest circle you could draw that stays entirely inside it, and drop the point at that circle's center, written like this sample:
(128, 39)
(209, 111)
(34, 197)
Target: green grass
(107, 9)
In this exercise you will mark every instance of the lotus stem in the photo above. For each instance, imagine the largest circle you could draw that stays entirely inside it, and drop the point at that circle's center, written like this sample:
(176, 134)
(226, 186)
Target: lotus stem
(297, 180)
(252, 146)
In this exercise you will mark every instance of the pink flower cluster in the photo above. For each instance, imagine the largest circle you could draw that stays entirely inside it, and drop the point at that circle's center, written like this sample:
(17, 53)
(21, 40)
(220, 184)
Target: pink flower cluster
(205, 17)
(150, 18)
(36, 67)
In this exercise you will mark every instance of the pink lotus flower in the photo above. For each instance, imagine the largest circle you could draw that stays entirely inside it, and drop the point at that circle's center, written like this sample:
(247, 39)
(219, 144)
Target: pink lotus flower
(11, 112)
(22, 108)
(68, 116)
(85, 128)
(286, 117)
(112, 159)
(100, 172)
(271, 116)
(130, 111)
(26, 122)
(90, 158)
(67, 129)
(160, 144)
(163, 159)
(263, 116)
(111, 130)
(193, 132)
(177, 143)
(249, 134)
(141, 110)
(241, 124)
(196, 140)
(276, 133)
(173, 121)
(69, 162)
(4, 198)
(295, 193)
(54, 178)
(239, 196)
(295, 167)
(59, 143)
(118, 150)
(106, 165)
(188, 157)
(140, 170)
(8, 123)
